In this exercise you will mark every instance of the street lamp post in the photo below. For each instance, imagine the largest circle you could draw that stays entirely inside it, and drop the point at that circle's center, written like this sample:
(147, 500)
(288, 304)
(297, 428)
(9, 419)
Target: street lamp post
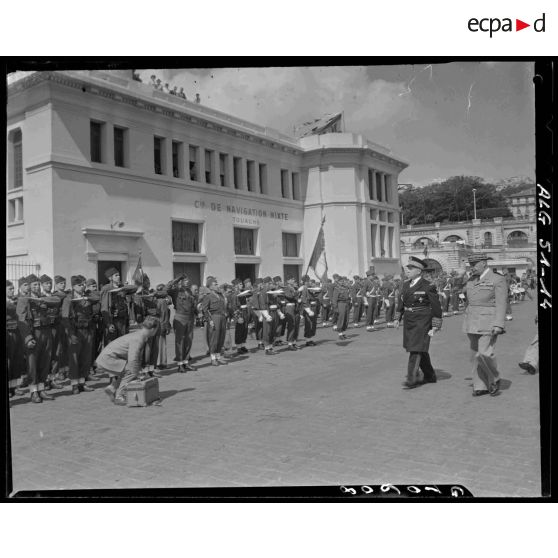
(474, 203)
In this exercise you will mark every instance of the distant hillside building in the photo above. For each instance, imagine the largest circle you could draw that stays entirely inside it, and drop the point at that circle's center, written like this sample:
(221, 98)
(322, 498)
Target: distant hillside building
(512, 243)
(523, 204)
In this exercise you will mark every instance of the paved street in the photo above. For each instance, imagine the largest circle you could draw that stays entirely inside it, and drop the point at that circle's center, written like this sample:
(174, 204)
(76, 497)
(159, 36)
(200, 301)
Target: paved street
(332, 414)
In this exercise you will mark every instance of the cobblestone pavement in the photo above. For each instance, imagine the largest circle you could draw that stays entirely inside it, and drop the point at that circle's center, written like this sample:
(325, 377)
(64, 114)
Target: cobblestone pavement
(331, 414)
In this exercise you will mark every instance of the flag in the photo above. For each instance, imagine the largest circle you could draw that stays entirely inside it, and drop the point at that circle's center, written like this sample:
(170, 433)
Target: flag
(137, 277)
(425, 252)
(326, 124)
(318, 262)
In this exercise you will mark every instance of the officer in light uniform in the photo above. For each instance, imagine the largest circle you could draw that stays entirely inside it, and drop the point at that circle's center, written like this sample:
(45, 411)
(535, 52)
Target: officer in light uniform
(484, 321)
(419, 307)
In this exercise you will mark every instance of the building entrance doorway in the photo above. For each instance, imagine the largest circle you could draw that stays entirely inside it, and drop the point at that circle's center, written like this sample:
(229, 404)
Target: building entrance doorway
(102, 267)
(193, 270)
(245, 271)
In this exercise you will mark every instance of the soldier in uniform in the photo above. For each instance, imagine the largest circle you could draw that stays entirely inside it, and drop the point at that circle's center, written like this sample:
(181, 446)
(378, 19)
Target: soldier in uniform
(341, 303)
(256, 303)
(165, 328)
(484, 321)
(94, 296)
(357, 300)
(389, 300)
(334, 316)
(242, 314)
(114, 306)
(185, 311)
(147, 304)
(269, 309)
(214, 308)
(78, 322)
(308, 306)
(60, 363)
(419, 307)
(14, 343)
(292, 313)
(23, 291)
(325, 301)
(281, 320)
(456, 290)
(446, 288)
(35, 327)
(372, 292)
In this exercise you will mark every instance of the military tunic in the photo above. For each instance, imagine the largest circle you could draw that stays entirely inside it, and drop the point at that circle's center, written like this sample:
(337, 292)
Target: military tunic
(185, 311)
(214, 308)
(14, 344)
(341, 302)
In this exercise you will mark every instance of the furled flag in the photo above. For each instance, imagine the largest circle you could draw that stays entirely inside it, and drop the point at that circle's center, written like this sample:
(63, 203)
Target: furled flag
(318, 262)
(137, 277)
(326, 124)
(425, 251)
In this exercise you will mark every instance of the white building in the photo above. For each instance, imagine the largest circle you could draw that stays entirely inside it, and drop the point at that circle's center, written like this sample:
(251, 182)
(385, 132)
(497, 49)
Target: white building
(102, 168)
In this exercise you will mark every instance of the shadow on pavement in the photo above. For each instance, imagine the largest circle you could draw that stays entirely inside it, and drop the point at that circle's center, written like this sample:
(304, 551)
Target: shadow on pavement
(238, 359)
(505, 384)
(169, 393)
(343, 343)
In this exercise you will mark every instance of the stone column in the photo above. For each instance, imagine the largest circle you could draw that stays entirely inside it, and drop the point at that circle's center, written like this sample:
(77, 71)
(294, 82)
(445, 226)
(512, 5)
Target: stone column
(374, 191)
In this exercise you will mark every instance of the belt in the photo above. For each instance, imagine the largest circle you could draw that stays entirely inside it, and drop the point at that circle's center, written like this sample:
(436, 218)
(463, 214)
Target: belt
(312, 303)
(243, 306)
(416, 308)
(273, 307)
(290, 304)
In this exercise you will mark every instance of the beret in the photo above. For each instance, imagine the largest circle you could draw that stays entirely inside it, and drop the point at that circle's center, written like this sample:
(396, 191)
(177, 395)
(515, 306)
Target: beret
(90, 282)
(32, 278)
(110, 272)
(267, 279)
(277, 278)
(22, 281)
(76, 280)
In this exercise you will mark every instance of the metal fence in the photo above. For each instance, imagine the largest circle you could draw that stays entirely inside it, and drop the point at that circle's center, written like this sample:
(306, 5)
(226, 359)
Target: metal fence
(17, 269)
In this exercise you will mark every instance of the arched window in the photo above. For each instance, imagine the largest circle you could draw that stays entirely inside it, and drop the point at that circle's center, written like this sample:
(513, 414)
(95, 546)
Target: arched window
(488, 239)
(517, 238)
(424, 241)
(434, 265)
(453, 238)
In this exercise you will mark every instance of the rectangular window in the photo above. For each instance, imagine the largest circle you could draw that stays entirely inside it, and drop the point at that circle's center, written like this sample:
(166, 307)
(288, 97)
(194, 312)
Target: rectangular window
(177, 159)
(295, 177)
(382, 216)
(95, 135)
(250, 178)
(15, 210)
(185, 237)
(373, 231)
(390, 242)
(194, 152)
(119, 138)
(373, 214)
(391, 217)
(263, 178)
(158, 154)
(387, 181)
(237, 172)
(244, 243)
(223, 164)
(290, 245)
(379, 185)
(18, 160)
(209, 166)
(284, 183)
(382, 241)
(371, 184)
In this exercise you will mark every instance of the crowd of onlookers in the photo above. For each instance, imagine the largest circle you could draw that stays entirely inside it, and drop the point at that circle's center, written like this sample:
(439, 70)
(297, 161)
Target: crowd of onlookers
(158, 85)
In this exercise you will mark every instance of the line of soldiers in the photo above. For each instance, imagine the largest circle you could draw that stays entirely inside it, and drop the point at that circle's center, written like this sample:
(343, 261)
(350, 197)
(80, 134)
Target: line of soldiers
(54, 334)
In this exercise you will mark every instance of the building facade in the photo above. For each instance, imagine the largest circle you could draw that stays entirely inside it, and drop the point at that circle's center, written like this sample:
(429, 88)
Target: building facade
(511, 243)
(523, 204)
(103, 169)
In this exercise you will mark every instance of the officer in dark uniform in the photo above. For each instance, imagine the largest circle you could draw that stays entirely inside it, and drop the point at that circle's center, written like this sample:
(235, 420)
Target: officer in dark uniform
(357, 300)
(419, 307)
(325, 301)
(257, 305)
(341, 302)
(269, 308)
(77, 319)
(114, 306)
(372, 293)
(390, 300)
(35, 326)
(308, 307)
(60, 363)
(14, 344)
(281, 319)
(185, 311)
(292, 312)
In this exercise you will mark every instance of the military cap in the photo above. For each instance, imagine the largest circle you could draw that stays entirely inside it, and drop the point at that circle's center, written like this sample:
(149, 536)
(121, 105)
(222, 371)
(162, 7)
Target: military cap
(277, 278)
(44, 278)
(290, 278)
(76, 280)
(478, 257)
(235, 281)
(9, 283)
(59, 279)
(210, 279)
(305, 278)
(32, 279)
(110, 272)
(267, 279)
(22, 281)
(369, 273)
(417, 262)
(90, 282)
(258, 281)
(248, 280)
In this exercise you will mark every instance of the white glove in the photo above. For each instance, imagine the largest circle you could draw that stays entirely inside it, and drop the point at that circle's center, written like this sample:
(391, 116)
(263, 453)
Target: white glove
(281, 315)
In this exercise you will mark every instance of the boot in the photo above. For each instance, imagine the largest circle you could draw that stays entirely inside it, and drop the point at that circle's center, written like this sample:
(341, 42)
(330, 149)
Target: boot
(75, 389)
(35, 397)
(45, 396)
(85, 387)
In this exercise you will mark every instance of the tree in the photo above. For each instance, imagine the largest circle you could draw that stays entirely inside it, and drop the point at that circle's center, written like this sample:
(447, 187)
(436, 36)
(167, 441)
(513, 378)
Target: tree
(452, 201)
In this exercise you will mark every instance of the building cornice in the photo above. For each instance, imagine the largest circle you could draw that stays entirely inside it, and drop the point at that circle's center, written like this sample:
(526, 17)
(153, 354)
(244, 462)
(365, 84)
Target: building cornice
(160, 106)
(358, 150)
